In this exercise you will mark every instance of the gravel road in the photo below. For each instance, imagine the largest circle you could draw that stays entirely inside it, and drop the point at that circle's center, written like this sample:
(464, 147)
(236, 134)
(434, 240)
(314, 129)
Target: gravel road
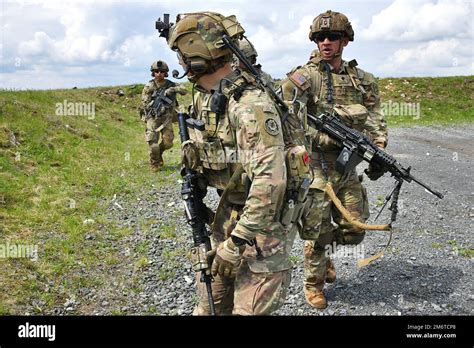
(425, 271)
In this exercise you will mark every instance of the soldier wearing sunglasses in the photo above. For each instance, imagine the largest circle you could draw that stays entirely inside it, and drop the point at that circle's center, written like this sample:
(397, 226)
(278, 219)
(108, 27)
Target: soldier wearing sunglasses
(329, 83)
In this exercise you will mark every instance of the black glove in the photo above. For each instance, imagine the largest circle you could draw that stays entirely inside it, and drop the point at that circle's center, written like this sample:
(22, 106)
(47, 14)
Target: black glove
(374, 171)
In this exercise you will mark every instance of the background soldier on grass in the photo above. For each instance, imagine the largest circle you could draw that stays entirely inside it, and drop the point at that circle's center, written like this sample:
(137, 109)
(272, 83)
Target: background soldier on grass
(159, 128)
(328, 83)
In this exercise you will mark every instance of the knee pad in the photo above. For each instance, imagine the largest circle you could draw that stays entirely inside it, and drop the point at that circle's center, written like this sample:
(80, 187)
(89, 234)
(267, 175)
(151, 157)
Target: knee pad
(309, 233)
(352, 237)
(151, 137)
(167, 140)
(154, 150)
(166, 145)
(325, 239)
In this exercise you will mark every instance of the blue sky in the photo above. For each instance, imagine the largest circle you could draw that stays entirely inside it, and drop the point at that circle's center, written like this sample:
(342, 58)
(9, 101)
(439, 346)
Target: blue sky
(62, 44)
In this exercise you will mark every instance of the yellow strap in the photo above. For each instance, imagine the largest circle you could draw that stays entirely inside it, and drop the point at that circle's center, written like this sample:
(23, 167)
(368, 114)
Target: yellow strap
(364, 262)
(353, 221)
(348, 216)
(234, 215)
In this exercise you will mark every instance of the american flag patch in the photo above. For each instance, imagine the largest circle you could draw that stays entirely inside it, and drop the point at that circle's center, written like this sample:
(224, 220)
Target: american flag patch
(298, 78)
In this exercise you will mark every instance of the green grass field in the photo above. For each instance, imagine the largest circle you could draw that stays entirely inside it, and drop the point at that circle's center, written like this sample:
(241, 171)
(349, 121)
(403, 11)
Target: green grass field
(442, 100)
(58, 173)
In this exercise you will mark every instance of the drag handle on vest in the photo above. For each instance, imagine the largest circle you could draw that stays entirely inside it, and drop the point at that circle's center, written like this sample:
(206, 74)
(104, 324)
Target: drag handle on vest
(196, 213)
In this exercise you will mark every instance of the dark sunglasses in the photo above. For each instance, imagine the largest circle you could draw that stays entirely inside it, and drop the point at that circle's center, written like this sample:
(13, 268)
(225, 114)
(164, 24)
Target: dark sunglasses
(330, 36)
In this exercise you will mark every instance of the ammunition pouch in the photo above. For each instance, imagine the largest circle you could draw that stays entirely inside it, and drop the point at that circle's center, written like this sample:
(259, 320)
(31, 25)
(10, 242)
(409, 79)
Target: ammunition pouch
(212, 154)
(353, 115)
(191, 157)
(295, 128)
(298, 182)
(199, 258)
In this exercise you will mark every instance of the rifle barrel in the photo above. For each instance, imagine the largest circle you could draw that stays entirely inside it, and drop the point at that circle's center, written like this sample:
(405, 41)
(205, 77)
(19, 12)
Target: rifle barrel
(427, 188)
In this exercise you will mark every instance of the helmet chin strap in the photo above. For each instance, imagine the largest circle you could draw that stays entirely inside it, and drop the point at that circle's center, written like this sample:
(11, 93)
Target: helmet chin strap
(339, 52)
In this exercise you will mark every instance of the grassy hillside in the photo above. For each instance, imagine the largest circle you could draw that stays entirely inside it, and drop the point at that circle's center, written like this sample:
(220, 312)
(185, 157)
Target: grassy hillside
(442, 100)
(58, 174)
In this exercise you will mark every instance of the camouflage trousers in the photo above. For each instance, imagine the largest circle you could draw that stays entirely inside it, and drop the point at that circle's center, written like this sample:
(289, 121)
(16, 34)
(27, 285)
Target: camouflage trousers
(324, 223)
(248, 293)
(159, 136)
(259, 287)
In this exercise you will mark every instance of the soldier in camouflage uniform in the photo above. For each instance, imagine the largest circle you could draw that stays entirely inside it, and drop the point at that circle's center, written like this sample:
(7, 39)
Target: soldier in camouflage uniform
(328, 83)
(248, 49)
(239, 151)
(159, 128)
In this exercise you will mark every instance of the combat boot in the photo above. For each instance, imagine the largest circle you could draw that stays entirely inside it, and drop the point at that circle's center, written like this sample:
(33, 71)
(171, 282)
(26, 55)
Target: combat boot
(315, 298)
(155, 165)
(160, 159)
(331, 272)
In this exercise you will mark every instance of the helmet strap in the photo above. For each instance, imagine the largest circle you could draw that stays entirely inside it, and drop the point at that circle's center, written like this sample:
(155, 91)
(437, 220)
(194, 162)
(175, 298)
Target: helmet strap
(339, 52)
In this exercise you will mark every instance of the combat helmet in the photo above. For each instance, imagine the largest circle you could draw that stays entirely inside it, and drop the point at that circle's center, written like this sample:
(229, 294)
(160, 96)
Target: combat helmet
(197, 37)
(159, 65)
(330, 21)
(248, 50)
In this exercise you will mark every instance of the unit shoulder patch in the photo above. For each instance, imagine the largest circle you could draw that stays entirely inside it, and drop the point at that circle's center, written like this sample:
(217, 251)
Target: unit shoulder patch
(271, 126)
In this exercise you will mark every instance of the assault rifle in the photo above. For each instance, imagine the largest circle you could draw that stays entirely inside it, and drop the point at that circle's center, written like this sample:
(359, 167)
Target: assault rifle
(355, 146)
(160, 102)
(196, 210)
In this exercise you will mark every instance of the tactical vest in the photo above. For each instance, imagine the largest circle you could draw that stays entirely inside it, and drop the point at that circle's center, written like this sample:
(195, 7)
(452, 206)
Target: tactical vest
(166, 85)
(153, 86)
(214, 138)
(215, 141)
(348, 93)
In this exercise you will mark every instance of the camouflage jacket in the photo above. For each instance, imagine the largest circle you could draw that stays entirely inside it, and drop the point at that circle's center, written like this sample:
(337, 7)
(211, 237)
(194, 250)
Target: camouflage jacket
(355, 90)
(249, 135)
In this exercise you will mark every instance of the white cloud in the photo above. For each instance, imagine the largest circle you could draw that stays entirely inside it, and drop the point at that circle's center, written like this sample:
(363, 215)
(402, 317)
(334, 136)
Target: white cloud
(279, 51)
(439, 55)
(72, 49)
(86, 42)
(420, 20)
(40, 44)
